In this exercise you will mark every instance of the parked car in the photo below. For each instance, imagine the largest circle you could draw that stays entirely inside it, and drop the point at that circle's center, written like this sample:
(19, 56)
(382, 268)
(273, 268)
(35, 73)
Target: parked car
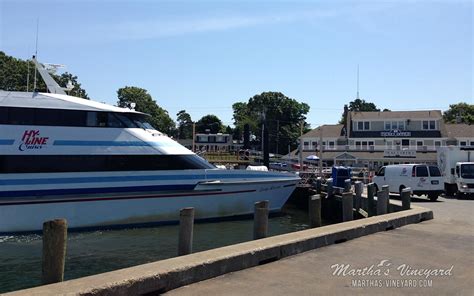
(421, 178)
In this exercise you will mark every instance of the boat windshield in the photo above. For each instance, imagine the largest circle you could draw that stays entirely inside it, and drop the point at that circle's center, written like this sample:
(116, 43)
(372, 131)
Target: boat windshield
(467, 171)
(133, 120)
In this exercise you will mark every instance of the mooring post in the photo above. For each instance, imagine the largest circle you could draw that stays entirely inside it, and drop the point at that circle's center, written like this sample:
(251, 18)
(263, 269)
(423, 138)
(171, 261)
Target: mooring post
(260, 221)
(382, 197)
(329, 188)
(347, 206)
(54, 251)
(370, 200)
(386, 188)
(406, 198)
(186, 228)
(347, 185)
(318, 185)
(358, 186)
(314, 211)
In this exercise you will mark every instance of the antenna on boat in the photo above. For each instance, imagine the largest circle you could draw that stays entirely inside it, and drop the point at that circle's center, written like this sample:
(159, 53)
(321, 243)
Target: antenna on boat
(36, 52)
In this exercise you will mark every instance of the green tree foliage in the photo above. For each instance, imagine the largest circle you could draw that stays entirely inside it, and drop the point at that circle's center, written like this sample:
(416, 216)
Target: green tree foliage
(282, 116)
(210, 122)
(459, 113)
(360, 105)
(14, 73)
(185, 125)
(145, 103)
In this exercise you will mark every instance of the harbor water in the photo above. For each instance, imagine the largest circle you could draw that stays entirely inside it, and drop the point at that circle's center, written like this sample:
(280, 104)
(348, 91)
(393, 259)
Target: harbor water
(96, 252)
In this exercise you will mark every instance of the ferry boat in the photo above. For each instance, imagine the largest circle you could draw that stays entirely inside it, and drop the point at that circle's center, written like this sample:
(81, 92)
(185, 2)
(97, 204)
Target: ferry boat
(100, 166)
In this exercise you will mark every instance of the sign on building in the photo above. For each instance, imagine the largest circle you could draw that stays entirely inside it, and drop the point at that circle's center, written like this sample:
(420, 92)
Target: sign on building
(400, 153)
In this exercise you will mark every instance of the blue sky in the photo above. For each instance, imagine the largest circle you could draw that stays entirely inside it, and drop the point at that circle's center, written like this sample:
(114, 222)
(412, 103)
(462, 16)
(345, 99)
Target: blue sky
(202, 56)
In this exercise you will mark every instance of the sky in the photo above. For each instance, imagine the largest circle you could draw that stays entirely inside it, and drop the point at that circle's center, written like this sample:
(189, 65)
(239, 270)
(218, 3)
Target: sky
(203, 56)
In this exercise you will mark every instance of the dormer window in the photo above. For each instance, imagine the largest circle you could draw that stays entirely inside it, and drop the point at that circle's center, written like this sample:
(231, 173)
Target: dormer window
(363, 125)
(429, 124)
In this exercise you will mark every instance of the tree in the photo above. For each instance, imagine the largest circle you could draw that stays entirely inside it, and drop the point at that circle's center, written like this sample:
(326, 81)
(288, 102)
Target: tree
(359, 105)
(209, 122)
(459, 113)
(185, 125)
(159, 117)
(14, 77)
(282, 117)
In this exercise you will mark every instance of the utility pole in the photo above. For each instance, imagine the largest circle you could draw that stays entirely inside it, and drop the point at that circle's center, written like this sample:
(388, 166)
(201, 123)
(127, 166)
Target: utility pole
(301, 145)
(321, 151)
(278, 135)
(194, 136)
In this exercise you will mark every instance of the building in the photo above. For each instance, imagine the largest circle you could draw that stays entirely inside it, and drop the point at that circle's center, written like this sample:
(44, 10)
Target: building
(381, 138)
(212, 143)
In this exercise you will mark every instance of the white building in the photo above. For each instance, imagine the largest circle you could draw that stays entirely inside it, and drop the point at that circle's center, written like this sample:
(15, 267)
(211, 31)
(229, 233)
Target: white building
(381, 138)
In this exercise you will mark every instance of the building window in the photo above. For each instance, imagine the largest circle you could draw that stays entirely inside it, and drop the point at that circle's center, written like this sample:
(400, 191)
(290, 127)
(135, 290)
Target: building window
(462, 143)
(364, 145)
(429, 125)
(394, 125)
(405, 142)
(363, 125)
(419, 145)
(357, 145)
(389, 144)
(331, 145)
(437, 144)
(472, 143)
(371, 144)
(315, 145)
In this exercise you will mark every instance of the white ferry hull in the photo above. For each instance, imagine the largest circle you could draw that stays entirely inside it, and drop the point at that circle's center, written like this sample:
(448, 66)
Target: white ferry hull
(219, 194)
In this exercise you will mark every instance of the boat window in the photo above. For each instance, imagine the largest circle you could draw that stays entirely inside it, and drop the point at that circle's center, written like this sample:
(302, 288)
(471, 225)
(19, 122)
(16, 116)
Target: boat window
(97, 163)
(47, 117)
(24, 116)
(421, 171)
(113, 121)
(3, 115)
(140, 120)
(125, 120)
(73, 117)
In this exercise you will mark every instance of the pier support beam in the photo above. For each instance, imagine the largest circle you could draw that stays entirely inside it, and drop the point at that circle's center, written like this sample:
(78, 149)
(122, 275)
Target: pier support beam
(54, 251)
(406, 198)
(186, 228)
(347, 204)
(314, 209)
(370, 200)
(260, 221)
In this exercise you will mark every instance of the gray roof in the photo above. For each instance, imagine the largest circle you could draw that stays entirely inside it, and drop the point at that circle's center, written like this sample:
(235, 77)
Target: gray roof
(459, 130)
(366, 155)
(54, 101)
(435, 114)
(328, 130)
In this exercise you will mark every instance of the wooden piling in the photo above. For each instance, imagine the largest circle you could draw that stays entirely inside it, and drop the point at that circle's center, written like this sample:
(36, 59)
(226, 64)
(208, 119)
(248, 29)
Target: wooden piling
(330, 188)
(358, 186)
(314, 211)
(347, 206)
(386, 188)
(406, 198)
(54, 251)
(318, 185)
(186, 228)
(260, 221)
(347, 185)
(370, 200)
(382, 197)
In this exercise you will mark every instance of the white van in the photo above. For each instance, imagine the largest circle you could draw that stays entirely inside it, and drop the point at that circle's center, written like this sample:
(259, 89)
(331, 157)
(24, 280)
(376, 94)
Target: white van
(421, 178)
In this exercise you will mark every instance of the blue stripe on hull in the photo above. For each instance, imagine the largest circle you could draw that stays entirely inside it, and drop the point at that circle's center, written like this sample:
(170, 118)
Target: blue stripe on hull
(6, 142)
(76, 180)
(56, 192)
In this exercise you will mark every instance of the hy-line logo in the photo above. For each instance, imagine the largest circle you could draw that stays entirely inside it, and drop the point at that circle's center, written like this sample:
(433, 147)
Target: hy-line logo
(32, 140)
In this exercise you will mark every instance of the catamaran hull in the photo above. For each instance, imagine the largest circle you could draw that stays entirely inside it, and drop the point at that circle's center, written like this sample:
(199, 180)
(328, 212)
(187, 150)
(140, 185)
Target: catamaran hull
(212, 199)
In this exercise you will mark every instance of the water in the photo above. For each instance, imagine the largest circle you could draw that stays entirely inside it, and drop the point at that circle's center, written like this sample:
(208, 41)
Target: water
(95, 252)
